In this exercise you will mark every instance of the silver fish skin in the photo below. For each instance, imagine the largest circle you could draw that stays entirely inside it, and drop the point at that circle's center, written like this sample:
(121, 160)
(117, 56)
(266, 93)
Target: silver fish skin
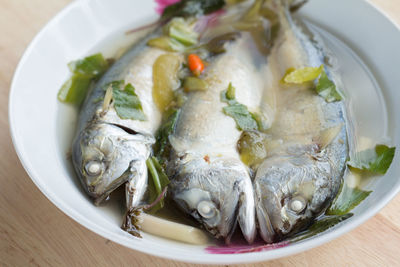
(109, 151)
(302, 172)
(209, 181)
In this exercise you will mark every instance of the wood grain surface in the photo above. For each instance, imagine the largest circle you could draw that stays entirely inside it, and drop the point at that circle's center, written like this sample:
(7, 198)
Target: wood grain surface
(34, 232)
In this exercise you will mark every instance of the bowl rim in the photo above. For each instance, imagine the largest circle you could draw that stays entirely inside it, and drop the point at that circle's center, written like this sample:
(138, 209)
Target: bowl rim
(211, 258)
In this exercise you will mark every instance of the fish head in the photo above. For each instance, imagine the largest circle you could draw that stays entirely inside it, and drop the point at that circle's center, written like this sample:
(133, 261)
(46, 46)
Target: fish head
(218, 194)
(106, 156)
(291, 191)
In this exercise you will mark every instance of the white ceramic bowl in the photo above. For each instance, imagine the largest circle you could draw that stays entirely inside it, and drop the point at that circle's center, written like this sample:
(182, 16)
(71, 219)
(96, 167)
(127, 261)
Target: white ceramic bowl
(42, 128)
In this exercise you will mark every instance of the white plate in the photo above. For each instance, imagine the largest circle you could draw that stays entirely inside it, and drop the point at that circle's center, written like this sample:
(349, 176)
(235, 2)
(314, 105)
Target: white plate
(41, 127)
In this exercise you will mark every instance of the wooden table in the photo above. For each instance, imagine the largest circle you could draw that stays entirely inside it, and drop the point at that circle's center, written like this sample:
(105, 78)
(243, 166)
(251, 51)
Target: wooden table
(34, 232)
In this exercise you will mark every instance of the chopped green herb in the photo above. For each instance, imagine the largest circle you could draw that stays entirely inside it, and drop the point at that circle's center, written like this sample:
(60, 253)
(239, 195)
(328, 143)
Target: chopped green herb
(187, 8)
(157, 184)
(327, 89)
(320, 226)
(243, 117)
(163, 134)
(74, 90)
(230, 93)
(347, 199)
(303, 75)
(127, 104)
(374, 161)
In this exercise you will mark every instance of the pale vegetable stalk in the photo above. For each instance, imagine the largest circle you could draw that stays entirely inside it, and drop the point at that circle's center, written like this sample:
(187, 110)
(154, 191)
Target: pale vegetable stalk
(171, 230)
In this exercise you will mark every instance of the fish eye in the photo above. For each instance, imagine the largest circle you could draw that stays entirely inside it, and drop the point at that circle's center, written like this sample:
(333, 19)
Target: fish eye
(297, 204)
(206, 209)
(93, 168)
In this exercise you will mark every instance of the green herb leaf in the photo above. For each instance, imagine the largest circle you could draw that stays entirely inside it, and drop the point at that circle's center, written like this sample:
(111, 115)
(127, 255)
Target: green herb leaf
(163, 134)
(157, 184)
(126, 102)
(327, 89)
(347, 199)
(187, 8)
(74, 90)
(303, 75)
(320, 226)
(376, 162)
(244, 119)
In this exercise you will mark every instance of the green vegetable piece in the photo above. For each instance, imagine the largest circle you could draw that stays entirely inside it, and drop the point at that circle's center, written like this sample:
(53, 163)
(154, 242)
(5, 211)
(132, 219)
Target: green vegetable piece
(327, 89)
(127, 104)
(347, 199)
(92, 66)
(157, 184)
(252, 147)
(74, 90)
(167, 43)
(181, 31)
(303, 75)
(320, 226)
(191, 84)
(375, 162)
(163, 134)
(188, 8)
(230, 93)
(243, 117)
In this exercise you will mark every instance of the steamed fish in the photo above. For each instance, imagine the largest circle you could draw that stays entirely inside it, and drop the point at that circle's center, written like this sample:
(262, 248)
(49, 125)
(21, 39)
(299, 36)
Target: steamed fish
(110, 149)
(208, 179)
(307, 147)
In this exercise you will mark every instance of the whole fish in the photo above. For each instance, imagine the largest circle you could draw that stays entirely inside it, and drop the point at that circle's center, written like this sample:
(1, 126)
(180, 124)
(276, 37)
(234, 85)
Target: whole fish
(308, 140)
(109, 151)
(208, 179)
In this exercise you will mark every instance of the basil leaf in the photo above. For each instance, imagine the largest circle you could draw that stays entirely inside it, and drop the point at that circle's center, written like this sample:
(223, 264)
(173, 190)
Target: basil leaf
(157, 184)
(303, 75)
(320, 226)
(347, 199)
(376, 162)
(187, 8)
(74, 90)
(127, 104)
(327, 89)
(244, 119)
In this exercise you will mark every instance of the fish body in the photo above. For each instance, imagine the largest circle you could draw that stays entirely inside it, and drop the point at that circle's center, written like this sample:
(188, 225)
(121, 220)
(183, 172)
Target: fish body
(109, 151)
(302, 173)
(208, 179)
